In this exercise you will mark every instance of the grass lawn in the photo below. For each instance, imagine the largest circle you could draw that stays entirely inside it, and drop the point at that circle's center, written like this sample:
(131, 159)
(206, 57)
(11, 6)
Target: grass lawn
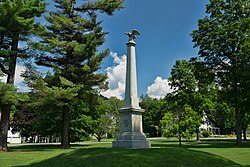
(88, 154)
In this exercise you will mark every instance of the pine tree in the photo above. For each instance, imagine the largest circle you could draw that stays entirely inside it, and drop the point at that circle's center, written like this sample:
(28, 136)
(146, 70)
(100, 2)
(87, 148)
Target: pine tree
(16, 23)
(69, 45)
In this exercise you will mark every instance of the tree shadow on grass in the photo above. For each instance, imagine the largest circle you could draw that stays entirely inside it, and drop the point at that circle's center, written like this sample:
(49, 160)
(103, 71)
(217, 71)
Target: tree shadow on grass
(42, 147)
(203, 144)
(108, 157)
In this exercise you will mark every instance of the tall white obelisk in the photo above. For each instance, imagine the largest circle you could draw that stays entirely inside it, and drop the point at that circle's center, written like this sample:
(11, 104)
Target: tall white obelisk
(131, 133)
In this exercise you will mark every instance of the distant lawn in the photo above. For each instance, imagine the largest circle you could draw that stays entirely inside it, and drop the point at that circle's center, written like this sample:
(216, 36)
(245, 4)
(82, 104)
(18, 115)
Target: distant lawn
(92, 154)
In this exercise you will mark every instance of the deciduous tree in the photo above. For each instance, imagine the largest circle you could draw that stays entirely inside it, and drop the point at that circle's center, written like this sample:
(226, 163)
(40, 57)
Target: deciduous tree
(224, 45)
(180, 122)
(186, 88)
(154, 112)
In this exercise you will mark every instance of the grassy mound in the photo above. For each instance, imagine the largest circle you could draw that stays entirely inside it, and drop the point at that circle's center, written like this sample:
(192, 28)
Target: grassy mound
(101, 154)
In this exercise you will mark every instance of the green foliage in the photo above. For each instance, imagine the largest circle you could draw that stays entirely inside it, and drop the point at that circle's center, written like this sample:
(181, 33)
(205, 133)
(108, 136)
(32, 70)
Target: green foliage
(42, 114)
(48, 103)
(224, 117)
(194, 86)
(187, 90)
(154, 112)
(206, 133)
(182, 76)
(16, 24)
(105, 6)
(107, 124)
(114, 105)
(68, 44)
(223, 41)
(103, 124)
(1, 75)
(81, 122)
(166, 123)
(72, 40)
(8, 94)
(59, 95)
(184, 83)
(180, 123)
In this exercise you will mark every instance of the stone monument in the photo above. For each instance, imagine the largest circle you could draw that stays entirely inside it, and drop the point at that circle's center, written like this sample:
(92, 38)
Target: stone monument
(131, 133)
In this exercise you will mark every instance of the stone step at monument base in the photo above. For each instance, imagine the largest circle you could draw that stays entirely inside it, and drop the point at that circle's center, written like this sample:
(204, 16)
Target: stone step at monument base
(131, 144)
(131, 140)
(131, 136)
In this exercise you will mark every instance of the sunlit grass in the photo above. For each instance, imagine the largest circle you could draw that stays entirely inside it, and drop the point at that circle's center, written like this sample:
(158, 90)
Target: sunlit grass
(205, 154)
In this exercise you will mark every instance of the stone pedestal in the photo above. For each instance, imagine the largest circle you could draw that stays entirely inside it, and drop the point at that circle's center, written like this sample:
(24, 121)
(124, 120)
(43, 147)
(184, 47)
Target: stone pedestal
(131, 134)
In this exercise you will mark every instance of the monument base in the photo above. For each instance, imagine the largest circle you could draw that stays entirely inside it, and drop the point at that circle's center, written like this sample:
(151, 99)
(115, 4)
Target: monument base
(131, 144)
(131, 140)
(131, 134)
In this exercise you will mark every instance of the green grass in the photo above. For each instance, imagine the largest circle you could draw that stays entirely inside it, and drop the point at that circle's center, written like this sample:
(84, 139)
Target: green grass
(200, 154)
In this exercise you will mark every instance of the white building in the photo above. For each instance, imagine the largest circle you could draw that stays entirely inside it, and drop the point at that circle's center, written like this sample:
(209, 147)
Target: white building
(14, 138)
(207, 125)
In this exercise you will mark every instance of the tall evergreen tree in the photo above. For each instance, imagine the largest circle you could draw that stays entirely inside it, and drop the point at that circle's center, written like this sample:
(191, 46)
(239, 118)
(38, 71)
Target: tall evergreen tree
(223, 39)
(69, 45)
(16, 23)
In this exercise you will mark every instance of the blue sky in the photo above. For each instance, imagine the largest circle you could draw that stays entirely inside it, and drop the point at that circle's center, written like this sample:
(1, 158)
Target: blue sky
(165, 27)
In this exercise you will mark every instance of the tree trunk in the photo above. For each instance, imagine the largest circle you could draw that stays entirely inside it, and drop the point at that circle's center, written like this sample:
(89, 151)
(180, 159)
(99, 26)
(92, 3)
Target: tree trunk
(244, 134)
(4, 123)
(4, 127)
(197, 134)
(180, 141)
(72, 8)
(65, 143)
(12, 62)
(238, 129)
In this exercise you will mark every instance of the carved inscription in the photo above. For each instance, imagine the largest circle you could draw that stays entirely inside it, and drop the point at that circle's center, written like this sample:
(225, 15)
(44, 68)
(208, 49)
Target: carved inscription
(126, 122)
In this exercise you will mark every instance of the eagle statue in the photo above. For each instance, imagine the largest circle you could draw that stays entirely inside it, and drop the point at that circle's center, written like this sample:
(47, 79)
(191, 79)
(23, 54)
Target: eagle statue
(132, 35)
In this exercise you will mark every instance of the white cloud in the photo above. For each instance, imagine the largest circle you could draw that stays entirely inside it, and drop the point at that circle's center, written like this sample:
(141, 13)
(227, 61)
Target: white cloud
(18, 79)
(116, 77)
(3, 79)
(23, 88)
(159, 88)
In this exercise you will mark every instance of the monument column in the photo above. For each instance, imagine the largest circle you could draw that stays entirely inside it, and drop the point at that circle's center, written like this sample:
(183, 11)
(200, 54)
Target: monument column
(131, 99)
(131, 133)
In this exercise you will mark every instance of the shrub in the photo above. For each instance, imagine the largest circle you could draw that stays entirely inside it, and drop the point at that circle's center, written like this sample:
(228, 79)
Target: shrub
(206, 133)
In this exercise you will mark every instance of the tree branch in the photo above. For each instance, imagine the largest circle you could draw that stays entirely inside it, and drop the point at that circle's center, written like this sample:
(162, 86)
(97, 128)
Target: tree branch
(4, 70)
